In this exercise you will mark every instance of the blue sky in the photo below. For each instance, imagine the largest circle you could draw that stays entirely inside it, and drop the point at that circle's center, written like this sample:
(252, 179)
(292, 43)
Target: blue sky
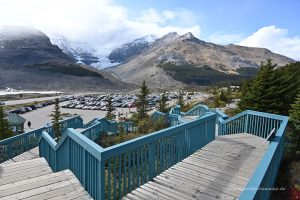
(228, 16)
(106, 24)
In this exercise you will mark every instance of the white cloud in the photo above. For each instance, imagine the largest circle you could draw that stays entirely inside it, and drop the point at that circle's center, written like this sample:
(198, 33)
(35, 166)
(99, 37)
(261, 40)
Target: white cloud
(220, 38)
(275, 39)
(102, 23)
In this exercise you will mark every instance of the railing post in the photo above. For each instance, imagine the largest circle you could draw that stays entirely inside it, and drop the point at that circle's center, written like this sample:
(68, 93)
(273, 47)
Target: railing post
(246, 124)
(100, 192)
(151, 161)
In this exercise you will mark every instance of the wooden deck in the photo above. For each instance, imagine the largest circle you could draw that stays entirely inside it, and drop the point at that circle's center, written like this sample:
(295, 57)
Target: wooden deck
(34, 179)
(220, 170)
(28, 155)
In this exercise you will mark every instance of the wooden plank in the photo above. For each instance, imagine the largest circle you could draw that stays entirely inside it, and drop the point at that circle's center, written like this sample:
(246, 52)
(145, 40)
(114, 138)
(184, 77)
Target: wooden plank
(216, 168)
(26, 169)
(69, 186)
(158, 194)
(25, 162)
(195, 190)
(42, 190)
(39, 182)
(228, 189)
(36, 179)
(210, 175)
(28, 155)
(224, 165)
(71, 195)
(245, 164)
(221, 170)
(175, 194)
(19, 177)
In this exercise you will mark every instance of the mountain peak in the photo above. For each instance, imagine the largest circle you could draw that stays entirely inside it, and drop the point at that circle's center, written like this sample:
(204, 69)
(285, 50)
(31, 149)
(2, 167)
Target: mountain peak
(19, 32)
(188, 35)
(190, 38)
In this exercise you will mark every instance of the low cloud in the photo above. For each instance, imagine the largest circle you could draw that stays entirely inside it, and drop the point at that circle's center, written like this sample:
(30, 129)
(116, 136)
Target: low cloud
(224, 38)
(101, 23)
(276, 39)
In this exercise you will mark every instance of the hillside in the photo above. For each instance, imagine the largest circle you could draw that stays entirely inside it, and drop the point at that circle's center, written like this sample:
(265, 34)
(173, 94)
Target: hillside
(28, 60)
(175, 60)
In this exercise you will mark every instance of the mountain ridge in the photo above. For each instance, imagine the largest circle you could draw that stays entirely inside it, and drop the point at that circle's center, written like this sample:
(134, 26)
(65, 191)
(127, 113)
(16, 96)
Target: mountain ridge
(188, 51)
(28, 61)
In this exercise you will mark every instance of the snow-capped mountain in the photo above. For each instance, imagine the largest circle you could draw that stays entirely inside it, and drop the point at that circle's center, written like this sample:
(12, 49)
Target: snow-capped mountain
(81, 51)
(85, 53)
(131, 49)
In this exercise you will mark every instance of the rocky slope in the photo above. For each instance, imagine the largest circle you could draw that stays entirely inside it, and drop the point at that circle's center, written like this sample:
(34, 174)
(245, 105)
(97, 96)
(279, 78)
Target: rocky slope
(131, 49)
(175, 60)
(28, 60)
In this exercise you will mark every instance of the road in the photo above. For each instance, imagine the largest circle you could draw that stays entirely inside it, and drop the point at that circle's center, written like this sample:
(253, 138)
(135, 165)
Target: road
(23, 101)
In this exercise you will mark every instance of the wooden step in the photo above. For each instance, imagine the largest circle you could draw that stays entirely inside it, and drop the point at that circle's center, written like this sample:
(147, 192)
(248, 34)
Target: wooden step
(23, 170)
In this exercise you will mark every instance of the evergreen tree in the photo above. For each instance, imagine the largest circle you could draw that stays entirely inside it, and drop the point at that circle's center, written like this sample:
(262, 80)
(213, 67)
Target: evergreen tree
(5, 131)
(142, 102)
(162, 105)
(265, 92)
(293, 146)
(56, 117)
(109, 114)
(216, 102)
(180, 100)
(121, 133)
(223, 96)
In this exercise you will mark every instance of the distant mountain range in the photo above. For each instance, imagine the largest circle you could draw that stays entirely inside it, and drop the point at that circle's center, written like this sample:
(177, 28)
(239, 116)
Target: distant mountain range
(28, 60)
(175, 60)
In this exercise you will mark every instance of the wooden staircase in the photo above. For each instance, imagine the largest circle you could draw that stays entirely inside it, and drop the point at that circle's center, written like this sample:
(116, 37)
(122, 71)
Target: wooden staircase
(34, 179)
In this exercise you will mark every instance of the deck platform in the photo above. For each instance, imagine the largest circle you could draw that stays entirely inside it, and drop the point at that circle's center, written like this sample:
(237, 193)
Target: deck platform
(28, 155)
(34, 179)
(220, 170)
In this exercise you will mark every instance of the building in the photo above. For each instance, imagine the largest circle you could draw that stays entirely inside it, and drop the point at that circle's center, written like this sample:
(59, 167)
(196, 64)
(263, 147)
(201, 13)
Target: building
(16, 122)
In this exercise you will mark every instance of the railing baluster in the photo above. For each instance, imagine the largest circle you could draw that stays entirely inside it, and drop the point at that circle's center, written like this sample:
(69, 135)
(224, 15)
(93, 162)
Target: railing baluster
(115, 177)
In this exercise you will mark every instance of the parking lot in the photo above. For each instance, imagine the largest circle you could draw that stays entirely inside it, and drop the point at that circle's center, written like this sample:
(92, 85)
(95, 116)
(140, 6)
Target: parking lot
(91, 106)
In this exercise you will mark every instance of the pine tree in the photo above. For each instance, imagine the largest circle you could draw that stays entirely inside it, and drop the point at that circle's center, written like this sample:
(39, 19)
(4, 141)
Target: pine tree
(109, 114)
(5, 131)
(293, 146)
(121, 133)
(162, 105)
(142, 102)
(265, 92)
(56, 117)
(223, 96)
(180, 100)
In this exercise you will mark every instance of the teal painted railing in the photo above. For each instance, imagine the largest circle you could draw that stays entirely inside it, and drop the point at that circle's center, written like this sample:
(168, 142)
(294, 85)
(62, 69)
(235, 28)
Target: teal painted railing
(94, 131)
(76, 152)
(259, 124)
(197, 110)
(18, 144)
(115, 171)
